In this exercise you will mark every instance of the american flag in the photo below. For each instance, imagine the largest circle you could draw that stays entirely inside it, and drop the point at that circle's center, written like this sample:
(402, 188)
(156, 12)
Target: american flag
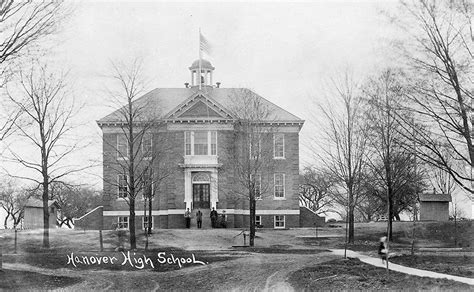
(204, 44)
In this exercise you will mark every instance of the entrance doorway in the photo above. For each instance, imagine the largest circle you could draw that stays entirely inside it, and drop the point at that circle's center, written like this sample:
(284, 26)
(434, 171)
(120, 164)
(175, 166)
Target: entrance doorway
(201, 196)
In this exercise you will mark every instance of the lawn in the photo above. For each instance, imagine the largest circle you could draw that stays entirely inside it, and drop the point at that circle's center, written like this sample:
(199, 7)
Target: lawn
(187, 254)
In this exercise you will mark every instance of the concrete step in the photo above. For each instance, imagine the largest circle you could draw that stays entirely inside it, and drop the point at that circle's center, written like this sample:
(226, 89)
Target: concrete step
(206, 220)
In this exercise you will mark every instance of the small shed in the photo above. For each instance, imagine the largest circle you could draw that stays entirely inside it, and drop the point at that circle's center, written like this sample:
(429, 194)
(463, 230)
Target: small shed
(434, 207)
(33, 214)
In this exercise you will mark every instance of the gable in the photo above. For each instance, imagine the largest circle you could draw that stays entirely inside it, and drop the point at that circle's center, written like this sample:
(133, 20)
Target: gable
(200, 110)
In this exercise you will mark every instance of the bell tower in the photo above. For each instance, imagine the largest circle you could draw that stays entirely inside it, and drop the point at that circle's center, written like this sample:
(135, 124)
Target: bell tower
(206, 73)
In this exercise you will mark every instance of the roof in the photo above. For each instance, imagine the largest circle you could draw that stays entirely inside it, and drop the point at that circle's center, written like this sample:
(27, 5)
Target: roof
(204, 64)
(162, 102)
(435, 198)
(36, 203)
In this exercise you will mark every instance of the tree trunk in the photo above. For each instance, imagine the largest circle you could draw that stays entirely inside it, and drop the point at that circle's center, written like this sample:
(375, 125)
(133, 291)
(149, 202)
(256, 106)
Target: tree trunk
(150, 208)
(6, 220)
(133, 240)
(45, 212)
(252, 205)
(350, 217)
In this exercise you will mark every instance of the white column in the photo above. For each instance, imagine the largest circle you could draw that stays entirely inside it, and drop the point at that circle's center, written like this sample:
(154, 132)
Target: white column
(210, 73)
(188, 192)
(192, 78)
(214, 188)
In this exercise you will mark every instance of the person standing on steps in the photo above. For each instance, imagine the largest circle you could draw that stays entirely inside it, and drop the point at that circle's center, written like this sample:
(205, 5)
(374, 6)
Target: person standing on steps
(199, 218)
(213, 217)
(187, 217)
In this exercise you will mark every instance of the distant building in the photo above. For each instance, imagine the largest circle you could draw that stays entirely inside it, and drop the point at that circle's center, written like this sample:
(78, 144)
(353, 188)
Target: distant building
(33, 214)
(434, 207)
(200, 126)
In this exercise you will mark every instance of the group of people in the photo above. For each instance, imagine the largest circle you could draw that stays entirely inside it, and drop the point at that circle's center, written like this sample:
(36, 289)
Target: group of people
(214, 218)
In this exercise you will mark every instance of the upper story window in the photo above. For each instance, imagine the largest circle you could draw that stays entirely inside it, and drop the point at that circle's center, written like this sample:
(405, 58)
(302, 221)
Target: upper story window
(147, 145)
(257, 181)
(254, 146)
(200, 143)
(279, 185)
(148, 184)
(122, 147)
(279, 145)
(122, 182)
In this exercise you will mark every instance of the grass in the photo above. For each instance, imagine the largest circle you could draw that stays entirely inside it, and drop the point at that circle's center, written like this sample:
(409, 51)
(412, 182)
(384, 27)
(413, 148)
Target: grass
(23, 280)
(352, 274)
(457, 265)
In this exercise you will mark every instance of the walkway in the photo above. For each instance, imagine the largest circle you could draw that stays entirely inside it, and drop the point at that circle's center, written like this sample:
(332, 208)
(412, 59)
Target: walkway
(402, 269)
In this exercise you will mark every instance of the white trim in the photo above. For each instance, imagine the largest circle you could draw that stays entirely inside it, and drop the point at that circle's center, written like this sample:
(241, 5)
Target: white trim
(284, 222)
(200, 127)
(227, 211)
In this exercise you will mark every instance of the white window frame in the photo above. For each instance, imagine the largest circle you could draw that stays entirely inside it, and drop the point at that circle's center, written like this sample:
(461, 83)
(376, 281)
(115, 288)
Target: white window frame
(192, 143)
(120, 155)
(147, 155)
(275, 136)
(143, 222)
(125, 224)
(275, 197)
(118, 186)
(259, 221)
(275, 222)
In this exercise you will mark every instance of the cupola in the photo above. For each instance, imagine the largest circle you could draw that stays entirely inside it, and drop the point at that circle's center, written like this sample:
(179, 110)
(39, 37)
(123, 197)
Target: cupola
(206, 73)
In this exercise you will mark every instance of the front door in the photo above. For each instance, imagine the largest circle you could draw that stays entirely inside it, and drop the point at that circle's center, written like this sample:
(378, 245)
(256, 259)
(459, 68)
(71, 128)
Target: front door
(201, 196)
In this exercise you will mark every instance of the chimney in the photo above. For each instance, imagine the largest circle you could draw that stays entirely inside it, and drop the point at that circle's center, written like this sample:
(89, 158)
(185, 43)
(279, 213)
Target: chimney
(218, 84)
(186, 85)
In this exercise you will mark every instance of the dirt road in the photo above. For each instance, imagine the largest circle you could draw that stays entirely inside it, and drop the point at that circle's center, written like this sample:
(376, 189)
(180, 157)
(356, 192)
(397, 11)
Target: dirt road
(249, 272)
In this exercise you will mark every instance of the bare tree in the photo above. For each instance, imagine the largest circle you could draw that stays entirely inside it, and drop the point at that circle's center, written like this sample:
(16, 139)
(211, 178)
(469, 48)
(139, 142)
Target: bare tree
(315, 190)
(392, 155)
(253, 161)
(23, 26)
(439, 53)
(12, 200)
(45, 123)
(132, 157)
(342, 149)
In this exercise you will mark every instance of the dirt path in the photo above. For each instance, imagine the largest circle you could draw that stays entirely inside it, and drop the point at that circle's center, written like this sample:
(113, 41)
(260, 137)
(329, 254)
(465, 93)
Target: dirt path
(251, 272)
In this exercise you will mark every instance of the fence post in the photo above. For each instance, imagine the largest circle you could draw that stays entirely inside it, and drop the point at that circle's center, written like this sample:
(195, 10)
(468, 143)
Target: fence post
(1, 251)
(101, 241)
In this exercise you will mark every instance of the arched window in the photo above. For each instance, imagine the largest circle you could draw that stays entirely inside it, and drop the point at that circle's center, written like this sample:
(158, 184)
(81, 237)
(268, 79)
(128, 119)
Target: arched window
(201, 177)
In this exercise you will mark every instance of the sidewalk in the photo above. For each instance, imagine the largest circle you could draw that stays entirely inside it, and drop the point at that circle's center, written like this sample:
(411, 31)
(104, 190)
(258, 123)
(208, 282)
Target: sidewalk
(402, 269)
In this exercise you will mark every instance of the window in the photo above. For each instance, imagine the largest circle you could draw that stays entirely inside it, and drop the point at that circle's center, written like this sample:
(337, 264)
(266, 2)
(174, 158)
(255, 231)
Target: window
(122, 147)
(279, 145)
(147, 145)
(257, 181)
(147, 180)
(279, 221)
(258, 220)
(122, 223)
(200, 143)
(279, 185)
(213, 143)
(145, 222)
(187, 138)
(122, 186)
(254, 146)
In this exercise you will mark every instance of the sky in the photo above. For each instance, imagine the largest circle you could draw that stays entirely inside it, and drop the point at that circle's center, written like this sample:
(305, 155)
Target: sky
(284, 51)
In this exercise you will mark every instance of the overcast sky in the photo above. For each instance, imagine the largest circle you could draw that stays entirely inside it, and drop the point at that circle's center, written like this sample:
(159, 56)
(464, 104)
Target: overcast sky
(283, 51)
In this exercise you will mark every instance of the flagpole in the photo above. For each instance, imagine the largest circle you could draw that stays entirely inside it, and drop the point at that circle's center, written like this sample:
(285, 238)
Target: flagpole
(200, 57)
